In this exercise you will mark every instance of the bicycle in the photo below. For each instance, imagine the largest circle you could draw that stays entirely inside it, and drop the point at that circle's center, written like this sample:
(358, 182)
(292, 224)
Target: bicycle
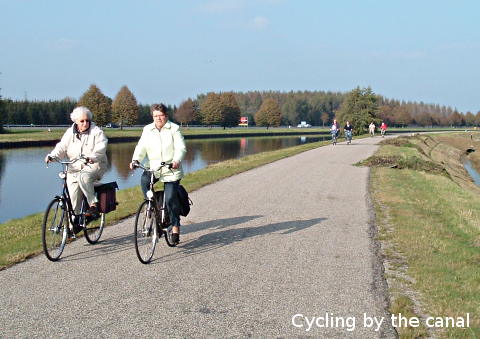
(348, 136)
(60, 221)
(151, 220)
(334, 137)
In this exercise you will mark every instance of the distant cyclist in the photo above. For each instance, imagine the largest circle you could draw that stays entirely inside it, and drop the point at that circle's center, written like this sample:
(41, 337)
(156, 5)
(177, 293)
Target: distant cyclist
(348, 128)
(334, 130)
(383, 128)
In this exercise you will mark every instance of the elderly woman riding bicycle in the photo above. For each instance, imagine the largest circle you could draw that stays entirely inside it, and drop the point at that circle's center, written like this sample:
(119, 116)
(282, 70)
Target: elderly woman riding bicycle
(87, 139)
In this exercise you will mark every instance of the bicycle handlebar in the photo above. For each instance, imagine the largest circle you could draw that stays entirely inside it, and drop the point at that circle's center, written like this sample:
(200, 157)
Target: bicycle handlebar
(163, 164)
(69, 162)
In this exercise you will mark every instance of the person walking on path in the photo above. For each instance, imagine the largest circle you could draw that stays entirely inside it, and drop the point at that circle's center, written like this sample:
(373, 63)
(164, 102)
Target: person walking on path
(383, 128)
(371, 129)
(162, 141)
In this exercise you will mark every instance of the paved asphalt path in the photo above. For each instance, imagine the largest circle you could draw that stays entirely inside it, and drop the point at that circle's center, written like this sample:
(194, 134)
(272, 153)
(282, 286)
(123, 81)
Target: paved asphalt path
(289, 240)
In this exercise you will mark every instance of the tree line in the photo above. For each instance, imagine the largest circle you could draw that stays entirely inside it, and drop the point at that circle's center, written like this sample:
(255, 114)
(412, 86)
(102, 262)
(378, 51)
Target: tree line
(263, 108)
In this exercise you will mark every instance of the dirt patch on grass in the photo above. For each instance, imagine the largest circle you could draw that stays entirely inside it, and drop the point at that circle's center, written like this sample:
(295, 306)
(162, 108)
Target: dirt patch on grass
(399, 162)
(399, 142)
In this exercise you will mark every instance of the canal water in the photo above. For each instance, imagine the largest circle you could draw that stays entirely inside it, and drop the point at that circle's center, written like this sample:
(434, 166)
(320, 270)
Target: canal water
(27, 185)
(473, 173)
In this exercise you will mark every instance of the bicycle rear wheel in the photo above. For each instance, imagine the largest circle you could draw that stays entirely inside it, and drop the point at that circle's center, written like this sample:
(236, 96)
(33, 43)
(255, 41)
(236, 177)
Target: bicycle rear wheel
(54, 230)
(94, 228)
(145, 232)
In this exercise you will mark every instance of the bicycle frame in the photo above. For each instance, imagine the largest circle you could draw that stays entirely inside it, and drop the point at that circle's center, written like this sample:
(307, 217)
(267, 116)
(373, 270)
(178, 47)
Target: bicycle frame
(150, 196)
(65, 195)
(148, 231)
(348, 135)
(334, 136)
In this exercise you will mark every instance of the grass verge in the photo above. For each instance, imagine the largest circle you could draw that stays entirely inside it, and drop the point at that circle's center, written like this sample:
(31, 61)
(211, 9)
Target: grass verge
(429, 229)
(21, 238)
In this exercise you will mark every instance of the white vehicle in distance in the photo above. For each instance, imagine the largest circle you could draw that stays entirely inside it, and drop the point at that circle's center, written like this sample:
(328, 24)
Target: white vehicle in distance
(303, 124)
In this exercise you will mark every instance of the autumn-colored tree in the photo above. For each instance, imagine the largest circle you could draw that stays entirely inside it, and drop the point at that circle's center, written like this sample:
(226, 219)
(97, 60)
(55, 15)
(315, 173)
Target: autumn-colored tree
(469, 119)
(220, 109)
(186, 112)
(269, 114)
(230, 110)
(424, 119)
(455, 119)
(401, 116)
(360, 108)
(211, 109)
(125, 108)
(385, 114)
(99, 104)
(477, 119)
(325, 118)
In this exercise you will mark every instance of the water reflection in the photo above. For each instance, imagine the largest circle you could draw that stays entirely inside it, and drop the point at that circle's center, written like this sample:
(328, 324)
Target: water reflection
(27, 186)
(2, 169)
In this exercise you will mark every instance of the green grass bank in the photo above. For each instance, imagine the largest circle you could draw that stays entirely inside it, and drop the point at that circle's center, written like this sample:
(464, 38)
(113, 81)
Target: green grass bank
(427, 214)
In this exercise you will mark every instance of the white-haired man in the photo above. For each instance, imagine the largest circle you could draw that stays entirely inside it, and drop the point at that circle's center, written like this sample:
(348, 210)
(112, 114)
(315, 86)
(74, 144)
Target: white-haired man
(87, 139)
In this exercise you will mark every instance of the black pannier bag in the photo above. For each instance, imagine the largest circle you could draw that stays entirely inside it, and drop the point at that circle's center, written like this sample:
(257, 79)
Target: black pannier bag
(106, 195)
(185, 201)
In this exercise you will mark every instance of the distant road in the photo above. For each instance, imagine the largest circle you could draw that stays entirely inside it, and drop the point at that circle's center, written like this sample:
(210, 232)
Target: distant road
(261, 252)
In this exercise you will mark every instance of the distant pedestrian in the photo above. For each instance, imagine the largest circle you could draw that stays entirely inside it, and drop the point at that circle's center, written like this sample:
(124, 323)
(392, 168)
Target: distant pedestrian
(371, 129)
(383, 128)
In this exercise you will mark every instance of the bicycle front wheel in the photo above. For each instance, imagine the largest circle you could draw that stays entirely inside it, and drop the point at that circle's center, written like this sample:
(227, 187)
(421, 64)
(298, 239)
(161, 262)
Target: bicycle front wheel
(145, 232)
(94, 228)
(54, 230)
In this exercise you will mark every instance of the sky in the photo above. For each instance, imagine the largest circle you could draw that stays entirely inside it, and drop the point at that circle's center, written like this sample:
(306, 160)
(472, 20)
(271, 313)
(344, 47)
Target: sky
(169, 50)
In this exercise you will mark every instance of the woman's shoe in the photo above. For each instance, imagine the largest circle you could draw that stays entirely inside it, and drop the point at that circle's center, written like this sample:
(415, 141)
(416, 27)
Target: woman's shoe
(92, 211)
(175, 238)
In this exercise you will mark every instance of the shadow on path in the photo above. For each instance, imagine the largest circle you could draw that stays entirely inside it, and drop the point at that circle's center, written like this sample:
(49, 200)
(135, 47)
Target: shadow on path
(218, 223)
(215, 240)
(104, 247)
(126, 242)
